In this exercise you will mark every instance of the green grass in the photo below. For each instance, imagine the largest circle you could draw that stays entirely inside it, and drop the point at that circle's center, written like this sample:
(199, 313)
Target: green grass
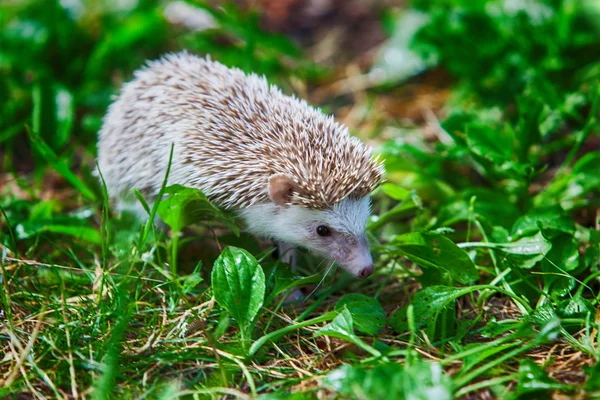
(485, 236)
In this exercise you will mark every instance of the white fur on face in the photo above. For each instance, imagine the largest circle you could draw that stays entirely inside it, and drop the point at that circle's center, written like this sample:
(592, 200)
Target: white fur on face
(349, 216)
(297, 225)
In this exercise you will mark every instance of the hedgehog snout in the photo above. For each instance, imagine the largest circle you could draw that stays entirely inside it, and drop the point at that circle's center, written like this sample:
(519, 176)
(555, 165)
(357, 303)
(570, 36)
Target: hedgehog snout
(366, 271)
(358, 260)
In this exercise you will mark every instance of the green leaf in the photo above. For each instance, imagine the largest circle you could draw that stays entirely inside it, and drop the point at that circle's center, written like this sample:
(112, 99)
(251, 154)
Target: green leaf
(428, 304)
(559, 261)
(488, 205)
(280, 278)
(523, 253)
(532, 378)
(575, 307)
(436, 251)
(529, 245)
(489, 144)
(593, 381)
(367, 314)
(551, 217)
(527, 251)
(238, 284)
(420, 381)
(342, 327)
(186, 206)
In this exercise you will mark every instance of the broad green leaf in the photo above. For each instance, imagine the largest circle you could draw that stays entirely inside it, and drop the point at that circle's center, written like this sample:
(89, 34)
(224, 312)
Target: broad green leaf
(428, 304)
(342, 327)
(586, 175)
(280, 278)
(436, 251)
(495, 153)
(561, 260)
(527, 251)
(593, 381)
(459, 119)
(238, 284)
(529, 245)
(552, 217)
(367, 313)
(481, 204)
(532, 378)
(420, 381)
(489, 144)
(575, 307)
(185, 206)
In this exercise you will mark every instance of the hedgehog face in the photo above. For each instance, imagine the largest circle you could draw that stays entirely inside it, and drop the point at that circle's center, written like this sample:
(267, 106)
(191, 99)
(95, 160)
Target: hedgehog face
(337, 233)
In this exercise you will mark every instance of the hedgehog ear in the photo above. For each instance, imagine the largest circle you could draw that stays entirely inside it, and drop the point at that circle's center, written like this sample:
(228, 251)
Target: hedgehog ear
(281, 188)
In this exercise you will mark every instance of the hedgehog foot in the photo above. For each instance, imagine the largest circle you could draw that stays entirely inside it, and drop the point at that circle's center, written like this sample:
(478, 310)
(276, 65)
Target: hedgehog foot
(288, 254)
(294, 296)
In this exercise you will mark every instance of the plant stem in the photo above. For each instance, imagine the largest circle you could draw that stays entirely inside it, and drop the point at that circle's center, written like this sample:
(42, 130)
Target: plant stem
(280, 332)
(174, 250)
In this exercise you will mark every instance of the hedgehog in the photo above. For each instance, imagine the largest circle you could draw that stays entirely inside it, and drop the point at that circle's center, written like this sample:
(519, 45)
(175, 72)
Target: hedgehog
(289, 171)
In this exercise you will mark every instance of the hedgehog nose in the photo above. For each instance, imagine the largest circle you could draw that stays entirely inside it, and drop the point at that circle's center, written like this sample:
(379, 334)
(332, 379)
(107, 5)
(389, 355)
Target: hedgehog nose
(366, 271)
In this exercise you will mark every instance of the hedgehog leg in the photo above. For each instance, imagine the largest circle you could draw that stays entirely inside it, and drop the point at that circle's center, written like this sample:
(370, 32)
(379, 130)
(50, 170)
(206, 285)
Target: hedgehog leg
(289, 255)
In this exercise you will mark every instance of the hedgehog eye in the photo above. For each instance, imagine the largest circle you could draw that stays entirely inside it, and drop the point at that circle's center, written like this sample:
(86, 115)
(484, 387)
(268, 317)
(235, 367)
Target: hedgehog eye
(322, 230)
